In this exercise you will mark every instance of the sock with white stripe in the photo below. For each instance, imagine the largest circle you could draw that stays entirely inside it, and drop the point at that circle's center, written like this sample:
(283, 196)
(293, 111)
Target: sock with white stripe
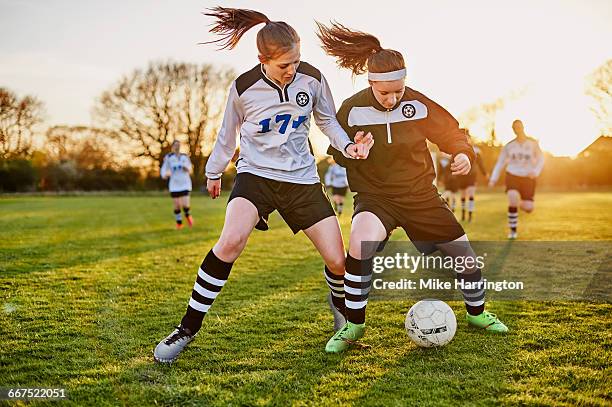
(340, 207)
(473, 291)
(186, 210)
(212, 275)
(512, 218)
(177, 215)
(470, 207)
(357, 282)
(336, 285)
(469, 280)
(462, 208)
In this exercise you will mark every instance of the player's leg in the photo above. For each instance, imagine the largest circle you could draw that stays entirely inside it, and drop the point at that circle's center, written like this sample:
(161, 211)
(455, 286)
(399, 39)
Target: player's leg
(471, 285)
(240, 219)
(327, 239)
(463, 197)
(431, 227)
(514, 199)
(527, 194)
(186, 204)
(471, 193)
(527, 206)
(339, 201)
(367, 231)
(176, 201)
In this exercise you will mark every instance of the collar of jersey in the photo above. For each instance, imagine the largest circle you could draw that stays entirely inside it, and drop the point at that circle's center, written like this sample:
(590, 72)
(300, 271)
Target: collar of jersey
(380, 107)
(270, 82)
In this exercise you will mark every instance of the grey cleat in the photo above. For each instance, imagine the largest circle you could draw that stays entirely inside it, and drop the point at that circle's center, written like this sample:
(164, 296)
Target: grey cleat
(339, 319)
(168, 350)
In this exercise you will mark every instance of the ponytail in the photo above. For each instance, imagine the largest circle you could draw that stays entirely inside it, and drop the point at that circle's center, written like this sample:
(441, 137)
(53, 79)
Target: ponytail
(358, 51)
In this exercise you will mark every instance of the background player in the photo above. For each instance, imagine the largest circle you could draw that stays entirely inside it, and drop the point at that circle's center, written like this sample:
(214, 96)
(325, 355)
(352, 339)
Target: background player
(177, 167)
(335, 177)
(467, 183)
(524, 162)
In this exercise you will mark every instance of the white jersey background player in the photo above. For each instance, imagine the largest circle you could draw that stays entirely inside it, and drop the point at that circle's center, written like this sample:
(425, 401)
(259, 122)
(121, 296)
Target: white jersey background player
(524, 162)
(177, 167)
(335, 177)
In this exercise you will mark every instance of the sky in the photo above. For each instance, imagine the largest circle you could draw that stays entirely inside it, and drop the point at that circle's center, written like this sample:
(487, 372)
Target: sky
(460, 54)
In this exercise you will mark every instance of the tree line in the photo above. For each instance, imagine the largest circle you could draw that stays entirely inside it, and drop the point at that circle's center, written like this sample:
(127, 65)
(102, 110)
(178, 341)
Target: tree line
(137, 118)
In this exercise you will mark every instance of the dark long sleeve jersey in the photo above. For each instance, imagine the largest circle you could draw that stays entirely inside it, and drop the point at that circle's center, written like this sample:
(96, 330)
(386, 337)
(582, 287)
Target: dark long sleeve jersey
(399, 163)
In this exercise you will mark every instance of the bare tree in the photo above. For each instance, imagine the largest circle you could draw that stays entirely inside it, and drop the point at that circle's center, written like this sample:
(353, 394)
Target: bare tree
(87, 147)
(486, 114)
(18, 119)
(599, 86)
(150, 108)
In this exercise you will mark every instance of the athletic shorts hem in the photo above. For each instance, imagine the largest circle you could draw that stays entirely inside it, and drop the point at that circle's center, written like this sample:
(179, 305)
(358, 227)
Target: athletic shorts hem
(178, 194)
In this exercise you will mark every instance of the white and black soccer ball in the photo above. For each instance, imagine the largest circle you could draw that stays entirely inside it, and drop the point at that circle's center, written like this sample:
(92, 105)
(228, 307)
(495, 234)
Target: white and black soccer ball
(431, 323)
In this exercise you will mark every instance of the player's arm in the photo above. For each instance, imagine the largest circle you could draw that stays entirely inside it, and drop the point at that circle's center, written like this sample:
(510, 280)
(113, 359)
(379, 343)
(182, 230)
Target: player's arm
(539, 160)
(442, 129)
(499, 166)
(164, 171)
(342, 118)
(480, 164)
(328, 176)
(225, 145)
(188, 166)
(324, 112)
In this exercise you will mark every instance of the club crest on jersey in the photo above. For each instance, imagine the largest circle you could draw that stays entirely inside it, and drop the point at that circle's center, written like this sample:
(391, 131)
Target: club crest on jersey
(408, 111)
(302, 99)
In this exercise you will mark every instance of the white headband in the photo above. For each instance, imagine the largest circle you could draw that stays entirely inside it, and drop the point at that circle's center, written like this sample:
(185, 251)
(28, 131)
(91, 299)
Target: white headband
(387, 76)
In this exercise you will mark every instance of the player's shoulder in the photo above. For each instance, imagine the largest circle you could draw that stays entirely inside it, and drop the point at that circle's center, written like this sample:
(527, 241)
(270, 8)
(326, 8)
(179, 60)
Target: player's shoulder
(310, 71)
(361, 98)
(533, 140)
(247, 79)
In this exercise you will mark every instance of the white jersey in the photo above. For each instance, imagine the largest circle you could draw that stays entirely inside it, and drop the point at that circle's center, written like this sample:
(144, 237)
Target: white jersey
(179, 167)
(273, 124)
(520, 159)
(336, 176)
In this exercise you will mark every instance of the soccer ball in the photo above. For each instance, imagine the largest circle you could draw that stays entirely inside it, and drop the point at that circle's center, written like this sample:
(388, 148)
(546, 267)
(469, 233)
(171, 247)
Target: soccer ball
(431, 323)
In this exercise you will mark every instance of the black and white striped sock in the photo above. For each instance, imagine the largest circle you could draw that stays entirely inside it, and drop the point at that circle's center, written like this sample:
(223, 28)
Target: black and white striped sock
(357, 283)
(462, 208)
(336, 285)
(473, 291)
(186, 211)
(212, 275)
(470, 207)
(177, 216)
(512, 218)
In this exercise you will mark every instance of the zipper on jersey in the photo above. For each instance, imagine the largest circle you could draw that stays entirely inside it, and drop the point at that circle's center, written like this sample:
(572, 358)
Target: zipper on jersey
(389, 140)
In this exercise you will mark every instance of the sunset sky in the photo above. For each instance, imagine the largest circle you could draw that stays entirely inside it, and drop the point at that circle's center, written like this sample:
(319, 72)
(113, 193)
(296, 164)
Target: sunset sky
(460, 54)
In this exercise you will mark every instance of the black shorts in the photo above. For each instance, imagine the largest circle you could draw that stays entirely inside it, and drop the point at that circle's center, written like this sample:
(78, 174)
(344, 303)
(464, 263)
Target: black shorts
(300, 205)
(524, 185)
(451, 183)
(339, 191)
(426, 222)
(466, 181)
(178, 194)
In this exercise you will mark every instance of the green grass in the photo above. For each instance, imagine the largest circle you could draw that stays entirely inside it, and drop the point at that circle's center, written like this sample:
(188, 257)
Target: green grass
(90, 284)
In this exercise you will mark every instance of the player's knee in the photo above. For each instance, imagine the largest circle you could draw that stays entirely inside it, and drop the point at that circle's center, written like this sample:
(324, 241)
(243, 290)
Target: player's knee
(336, 265)
(231, 246)
(527, 208)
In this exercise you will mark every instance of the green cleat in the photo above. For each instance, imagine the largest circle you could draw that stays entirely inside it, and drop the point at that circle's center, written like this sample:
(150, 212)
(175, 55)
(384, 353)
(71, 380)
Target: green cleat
(487, 321)
(345, 337)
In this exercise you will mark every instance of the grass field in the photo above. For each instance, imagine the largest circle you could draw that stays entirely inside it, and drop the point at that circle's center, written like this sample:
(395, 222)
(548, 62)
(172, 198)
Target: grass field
(90, 284)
